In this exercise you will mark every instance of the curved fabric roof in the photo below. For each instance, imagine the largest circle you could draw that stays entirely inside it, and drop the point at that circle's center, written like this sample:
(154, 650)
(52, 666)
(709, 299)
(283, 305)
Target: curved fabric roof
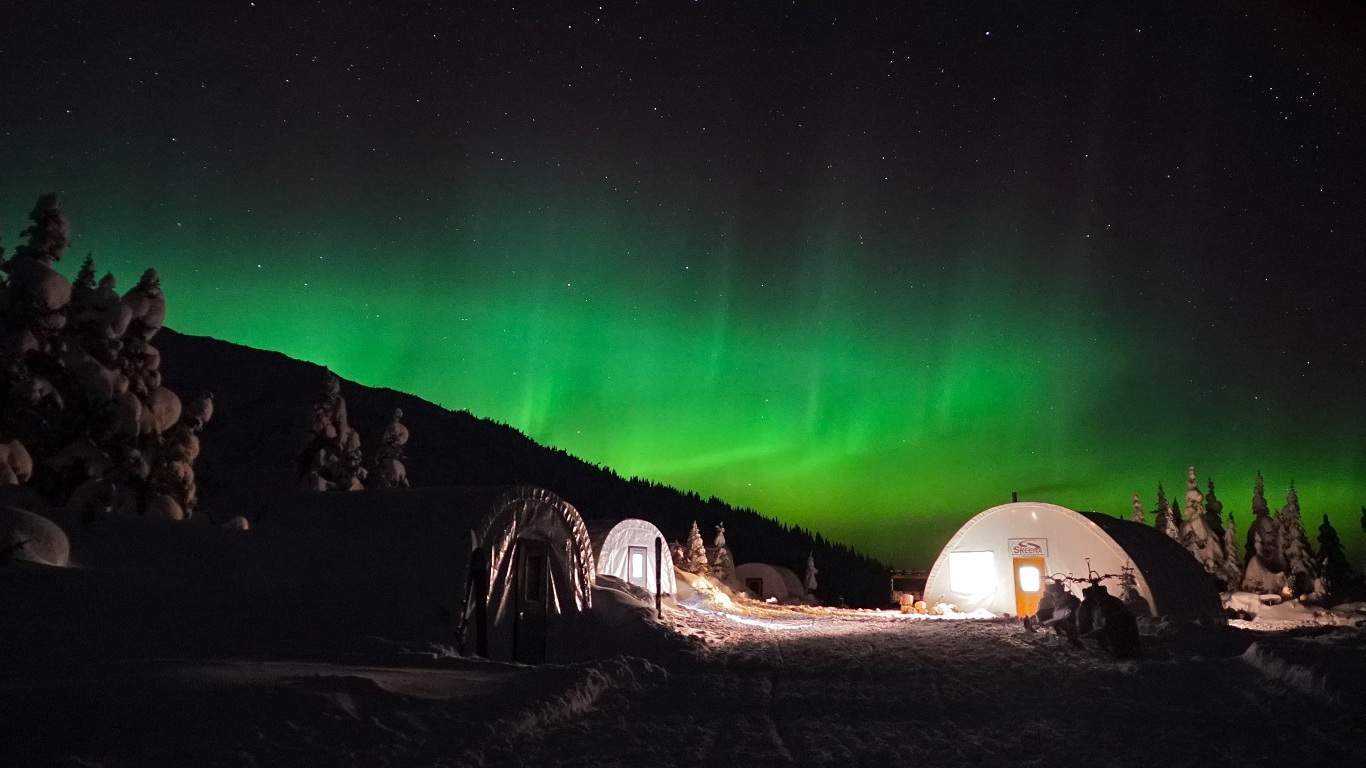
(1171, 580)
(611, 540)
(795, 587)
(1172, 574)
(775, 584)
(529, 512)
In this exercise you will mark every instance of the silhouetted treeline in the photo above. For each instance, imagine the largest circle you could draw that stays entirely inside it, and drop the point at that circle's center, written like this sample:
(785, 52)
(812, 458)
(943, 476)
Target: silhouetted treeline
(251, 455)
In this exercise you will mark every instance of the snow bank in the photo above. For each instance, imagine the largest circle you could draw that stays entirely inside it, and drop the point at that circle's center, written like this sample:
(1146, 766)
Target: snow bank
(1326, 664)
(613, 678)
(1294, 676)
(622, 621)
(1271, 613)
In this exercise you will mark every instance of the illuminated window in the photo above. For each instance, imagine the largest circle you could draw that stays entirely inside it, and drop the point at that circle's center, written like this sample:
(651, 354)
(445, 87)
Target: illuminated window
(637, 555)
(1029, 577)
(972, 573)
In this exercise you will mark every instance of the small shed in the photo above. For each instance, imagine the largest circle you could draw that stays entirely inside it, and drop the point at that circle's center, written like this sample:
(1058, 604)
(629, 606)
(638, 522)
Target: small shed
(626, 549)
(999, 559)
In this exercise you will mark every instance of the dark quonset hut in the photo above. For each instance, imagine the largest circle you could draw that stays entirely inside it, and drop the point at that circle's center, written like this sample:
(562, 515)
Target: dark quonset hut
(531, 576)
(503, 571)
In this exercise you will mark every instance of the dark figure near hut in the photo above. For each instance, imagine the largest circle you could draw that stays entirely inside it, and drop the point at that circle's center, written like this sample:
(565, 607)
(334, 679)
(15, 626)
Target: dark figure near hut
(1105, 618)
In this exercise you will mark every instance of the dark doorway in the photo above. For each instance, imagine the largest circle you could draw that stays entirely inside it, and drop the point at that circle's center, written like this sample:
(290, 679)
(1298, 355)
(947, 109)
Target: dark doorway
(755, 586)
(532, 590)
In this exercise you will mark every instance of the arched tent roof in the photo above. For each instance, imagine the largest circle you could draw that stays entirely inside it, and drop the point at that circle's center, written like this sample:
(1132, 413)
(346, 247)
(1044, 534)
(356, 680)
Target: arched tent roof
(795, 587)
(1167, 567)
(1167, 577)
(774, 583)
(612, 540)
(527, 512)
(525, 525)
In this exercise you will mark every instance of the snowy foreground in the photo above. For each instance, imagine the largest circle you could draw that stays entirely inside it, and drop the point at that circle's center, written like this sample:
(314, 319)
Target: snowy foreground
(762, 686)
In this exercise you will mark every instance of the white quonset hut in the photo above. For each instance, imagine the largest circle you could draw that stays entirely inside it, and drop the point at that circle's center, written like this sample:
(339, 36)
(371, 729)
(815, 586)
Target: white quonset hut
(999, 560)
(626, 549)
(764, 581)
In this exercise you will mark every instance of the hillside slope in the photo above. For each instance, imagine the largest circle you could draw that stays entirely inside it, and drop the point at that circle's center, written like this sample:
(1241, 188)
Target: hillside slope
(262, 400)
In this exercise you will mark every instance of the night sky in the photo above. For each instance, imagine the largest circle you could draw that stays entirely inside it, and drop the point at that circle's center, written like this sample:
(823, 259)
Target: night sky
(868, 272)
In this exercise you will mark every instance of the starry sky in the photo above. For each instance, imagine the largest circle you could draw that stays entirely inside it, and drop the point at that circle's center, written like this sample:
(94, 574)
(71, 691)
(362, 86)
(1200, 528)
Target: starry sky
(867, 269)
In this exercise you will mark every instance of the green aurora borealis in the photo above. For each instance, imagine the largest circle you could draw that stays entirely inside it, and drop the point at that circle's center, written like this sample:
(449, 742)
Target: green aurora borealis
(864, 273)
(881, 408)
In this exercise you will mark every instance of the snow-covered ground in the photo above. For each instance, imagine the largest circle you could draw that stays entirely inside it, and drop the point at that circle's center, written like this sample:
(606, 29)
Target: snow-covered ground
(765, 685)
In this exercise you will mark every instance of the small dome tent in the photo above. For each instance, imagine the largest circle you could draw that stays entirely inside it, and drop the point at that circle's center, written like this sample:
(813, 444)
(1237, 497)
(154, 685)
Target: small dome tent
(764, 581)
(531, 574)
(626, 549)
(795, 587)
(999, 559)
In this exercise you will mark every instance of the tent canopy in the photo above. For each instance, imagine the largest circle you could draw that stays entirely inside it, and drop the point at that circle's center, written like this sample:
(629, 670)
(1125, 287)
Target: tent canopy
(616, 541)
(976, 570)
(773, 583)
(526, 518)
(795, 587)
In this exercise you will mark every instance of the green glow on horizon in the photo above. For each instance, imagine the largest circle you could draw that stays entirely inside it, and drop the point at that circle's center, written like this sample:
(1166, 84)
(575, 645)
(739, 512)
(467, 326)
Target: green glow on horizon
(879, 406)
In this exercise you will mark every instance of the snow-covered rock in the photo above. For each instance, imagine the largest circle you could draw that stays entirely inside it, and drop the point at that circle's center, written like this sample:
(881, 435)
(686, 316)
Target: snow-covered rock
(16, 459)
(27, 536)
(165, 407)
(163, 507)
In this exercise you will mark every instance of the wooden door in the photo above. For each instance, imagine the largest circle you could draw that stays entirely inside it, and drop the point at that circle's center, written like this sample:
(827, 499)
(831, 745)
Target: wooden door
(1029, 576)
(533, 582)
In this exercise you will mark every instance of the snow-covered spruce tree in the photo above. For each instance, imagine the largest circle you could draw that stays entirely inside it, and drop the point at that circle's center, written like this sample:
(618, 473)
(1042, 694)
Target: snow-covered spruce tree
(331, 459)
(388, 468)
(695, 554)
(1196, 536)
(1300, 569)
(1264, 571)
(80, 384)
(722, 562)
(1232, 571)
(1334, 568)
(1137, 515)
(1166, 516)
(1263, 534)
(1214, 512)
(809, 578)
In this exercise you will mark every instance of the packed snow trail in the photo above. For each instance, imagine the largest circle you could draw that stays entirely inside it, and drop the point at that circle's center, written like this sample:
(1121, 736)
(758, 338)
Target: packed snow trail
(772, 687)
(854, 688)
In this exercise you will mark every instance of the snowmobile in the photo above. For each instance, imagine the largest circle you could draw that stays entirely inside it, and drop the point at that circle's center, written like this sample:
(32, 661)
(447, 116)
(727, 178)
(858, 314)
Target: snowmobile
(1107, 619)
(1057, 609)
(1098, 615)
